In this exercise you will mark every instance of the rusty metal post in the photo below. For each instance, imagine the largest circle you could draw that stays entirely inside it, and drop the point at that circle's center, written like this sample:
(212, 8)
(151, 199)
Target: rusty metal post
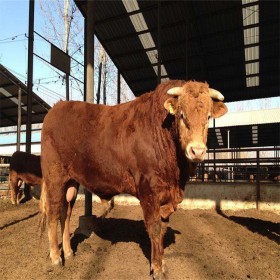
(19, 119)
(89, 64)
(159, 43)
(258, 185)
(30, 75)
(119, 88)
(186, 49)
(214, 174)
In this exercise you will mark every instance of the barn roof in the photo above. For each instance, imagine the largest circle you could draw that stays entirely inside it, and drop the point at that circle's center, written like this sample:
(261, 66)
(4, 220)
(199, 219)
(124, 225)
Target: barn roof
(233, 45)
(259, 128)
(9, 87)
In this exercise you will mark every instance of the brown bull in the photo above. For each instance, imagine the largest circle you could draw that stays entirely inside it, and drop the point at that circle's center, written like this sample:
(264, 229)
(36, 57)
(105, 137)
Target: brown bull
(24, 167)
(147, 148)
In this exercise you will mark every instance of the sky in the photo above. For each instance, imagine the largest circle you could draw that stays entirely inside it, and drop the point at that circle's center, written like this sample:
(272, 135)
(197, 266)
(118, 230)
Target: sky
(14, 49)
(13, 21)
(47, 80)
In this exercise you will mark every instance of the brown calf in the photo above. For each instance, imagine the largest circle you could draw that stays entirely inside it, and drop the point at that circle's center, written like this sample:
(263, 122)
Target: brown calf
(24, 167)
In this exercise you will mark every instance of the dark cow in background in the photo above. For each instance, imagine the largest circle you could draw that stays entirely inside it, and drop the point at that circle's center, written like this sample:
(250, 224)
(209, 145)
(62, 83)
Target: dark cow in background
(24, 167)
(147, 148)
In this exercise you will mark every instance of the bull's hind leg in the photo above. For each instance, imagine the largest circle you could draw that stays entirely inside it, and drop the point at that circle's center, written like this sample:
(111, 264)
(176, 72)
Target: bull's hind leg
(53, 241)
(70, 198)
(55, 200)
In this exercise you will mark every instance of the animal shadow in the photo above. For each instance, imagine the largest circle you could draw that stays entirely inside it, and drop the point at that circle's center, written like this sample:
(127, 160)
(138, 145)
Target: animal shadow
(268, 229)
(124, 230)
(20, 220)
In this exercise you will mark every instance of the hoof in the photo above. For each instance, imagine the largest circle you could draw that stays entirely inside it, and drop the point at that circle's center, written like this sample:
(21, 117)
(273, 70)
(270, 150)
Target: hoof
(159, 275)
(57, 263)
(69, 255)
(164, 268)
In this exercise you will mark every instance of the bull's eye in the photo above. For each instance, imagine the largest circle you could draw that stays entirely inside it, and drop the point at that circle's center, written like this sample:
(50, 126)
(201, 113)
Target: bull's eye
(185, 121)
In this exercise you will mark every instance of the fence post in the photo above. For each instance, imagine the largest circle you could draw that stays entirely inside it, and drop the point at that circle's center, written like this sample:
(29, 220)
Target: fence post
(202, 171)
(258, 186)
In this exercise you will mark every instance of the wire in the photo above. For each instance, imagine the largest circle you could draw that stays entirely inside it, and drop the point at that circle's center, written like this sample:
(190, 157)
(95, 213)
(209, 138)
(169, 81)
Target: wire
(13, 37)
(14, 41)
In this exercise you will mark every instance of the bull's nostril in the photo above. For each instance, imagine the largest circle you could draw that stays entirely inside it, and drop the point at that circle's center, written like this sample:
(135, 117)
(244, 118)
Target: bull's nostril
(193, 151)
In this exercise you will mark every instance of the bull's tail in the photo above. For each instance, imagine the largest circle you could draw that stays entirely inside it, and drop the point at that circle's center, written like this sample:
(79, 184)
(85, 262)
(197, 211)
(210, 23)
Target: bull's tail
(43, 209)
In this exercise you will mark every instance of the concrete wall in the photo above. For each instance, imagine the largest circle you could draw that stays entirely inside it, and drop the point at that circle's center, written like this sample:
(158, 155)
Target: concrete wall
(226, 196)
(231, 196)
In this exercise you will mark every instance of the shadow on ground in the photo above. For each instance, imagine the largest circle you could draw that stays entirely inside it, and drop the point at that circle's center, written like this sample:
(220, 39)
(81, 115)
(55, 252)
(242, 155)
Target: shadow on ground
(123, 230)
(18, 221)
(268, 229)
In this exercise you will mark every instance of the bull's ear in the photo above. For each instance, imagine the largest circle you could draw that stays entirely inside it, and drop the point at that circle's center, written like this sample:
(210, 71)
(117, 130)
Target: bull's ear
(171, 105)
(219, 109)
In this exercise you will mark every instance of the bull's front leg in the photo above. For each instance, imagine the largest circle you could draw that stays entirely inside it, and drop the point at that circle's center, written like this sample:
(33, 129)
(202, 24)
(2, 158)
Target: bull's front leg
(156, 230)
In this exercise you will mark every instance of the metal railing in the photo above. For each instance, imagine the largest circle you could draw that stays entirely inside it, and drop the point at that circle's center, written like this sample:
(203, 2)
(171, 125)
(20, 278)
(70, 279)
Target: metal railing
(240, 165)
(225, 165)
(4, 173)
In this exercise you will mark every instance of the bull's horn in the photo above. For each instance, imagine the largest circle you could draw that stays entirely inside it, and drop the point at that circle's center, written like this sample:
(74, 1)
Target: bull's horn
(216, 94)
(175, 91)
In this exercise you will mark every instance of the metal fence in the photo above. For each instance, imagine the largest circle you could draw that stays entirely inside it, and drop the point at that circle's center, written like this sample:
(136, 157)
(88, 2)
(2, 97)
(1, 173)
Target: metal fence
(225, 165)
(240, 165)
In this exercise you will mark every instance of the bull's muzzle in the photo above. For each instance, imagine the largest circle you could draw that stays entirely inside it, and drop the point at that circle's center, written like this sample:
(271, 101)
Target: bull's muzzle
(196, 153)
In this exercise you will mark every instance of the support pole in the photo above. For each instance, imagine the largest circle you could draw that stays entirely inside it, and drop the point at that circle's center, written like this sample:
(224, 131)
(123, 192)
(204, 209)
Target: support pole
(214, 179)
(89, 64)
(30, 75)
(186, 50)
(159, 44)
(89, 52)
(67, 87)
(258, 185)
(19, 119)
(119, 88)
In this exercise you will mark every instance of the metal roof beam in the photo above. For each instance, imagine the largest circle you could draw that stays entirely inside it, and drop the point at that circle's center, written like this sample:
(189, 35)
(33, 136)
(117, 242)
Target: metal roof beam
(230, 78)
(164, 46)
(125, 15)
(9, 118)
(178, 23)
(6, 85)
(134, 34)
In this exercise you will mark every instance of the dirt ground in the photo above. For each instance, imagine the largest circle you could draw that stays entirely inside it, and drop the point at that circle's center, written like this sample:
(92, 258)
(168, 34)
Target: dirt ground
(199, 244)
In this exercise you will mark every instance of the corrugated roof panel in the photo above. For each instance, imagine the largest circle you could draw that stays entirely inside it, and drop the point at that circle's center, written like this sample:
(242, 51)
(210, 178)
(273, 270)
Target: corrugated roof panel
(248, 118)
(250, 14)
(251, 36)
(215, 46)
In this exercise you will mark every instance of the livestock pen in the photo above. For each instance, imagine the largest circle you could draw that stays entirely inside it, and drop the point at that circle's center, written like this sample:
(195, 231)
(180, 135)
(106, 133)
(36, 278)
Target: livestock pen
(233, 179)
(205, 237)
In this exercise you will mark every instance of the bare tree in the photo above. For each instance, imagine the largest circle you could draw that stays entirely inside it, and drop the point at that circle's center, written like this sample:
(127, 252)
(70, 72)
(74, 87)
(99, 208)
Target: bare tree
(64, 28)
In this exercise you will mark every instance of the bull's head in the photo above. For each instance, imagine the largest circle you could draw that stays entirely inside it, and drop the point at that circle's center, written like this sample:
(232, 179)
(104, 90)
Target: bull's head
(193, 105)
